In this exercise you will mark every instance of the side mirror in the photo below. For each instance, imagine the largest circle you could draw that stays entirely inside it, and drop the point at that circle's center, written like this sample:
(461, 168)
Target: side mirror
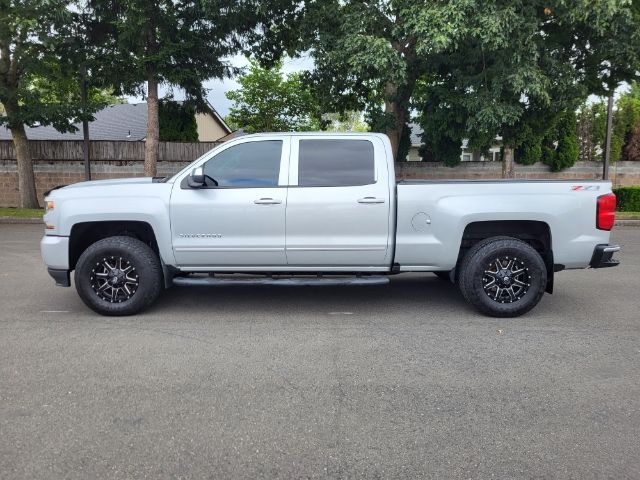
(196, 179)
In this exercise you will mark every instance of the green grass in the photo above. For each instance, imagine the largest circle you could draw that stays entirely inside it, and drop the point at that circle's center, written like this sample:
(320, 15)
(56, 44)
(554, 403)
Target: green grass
(627, 215)
(21, 212)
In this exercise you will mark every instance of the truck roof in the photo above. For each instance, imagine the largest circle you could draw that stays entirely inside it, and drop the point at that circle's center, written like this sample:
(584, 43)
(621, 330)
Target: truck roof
(319, 134)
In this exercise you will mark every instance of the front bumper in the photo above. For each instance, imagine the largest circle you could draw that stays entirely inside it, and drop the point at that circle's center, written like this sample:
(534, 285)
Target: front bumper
(60, 276)
(603, 256)
(55, 253)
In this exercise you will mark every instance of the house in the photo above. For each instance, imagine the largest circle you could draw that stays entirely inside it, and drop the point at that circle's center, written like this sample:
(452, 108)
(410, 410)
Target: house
(466, 155)
(127, 122)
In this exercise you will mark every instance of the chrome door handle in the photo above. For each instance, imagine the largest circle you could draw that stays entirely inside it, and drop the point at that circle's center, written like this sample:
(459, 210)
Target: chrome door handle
(267, 201)
(371, 200)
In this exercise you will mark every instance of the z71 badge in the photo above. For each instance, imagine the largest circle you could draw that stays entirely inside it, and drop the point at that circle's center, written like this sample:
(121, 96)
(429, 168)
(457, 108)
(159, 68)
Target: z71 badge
(584, 188)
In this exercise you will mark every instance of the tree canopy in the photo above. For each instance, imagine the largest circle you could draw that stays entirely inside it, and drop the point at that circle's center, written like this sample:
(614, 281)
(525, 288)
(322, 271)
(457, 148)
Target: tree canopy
(269, 101)
(39, 84)
(472, 69)
(175, 43)
(534, 65)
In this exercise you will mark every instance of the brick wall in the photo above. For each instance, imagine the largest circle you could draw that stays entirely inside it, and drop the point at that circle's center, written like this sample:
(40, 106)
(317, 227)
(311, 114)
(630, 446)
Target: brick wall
(60, 171)
(60, 162)
(53, 174)
(620, 173)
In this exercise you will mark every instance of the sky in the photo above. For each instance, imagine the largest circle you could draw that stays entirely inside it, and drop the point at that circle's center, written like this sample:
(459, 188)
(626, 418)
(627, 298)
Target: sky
(218, 88)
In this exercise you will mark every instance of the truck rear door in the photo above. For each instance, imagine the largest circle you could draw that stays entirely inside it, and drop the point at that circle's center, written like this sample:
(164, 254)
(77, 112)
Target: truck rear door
(338, 207)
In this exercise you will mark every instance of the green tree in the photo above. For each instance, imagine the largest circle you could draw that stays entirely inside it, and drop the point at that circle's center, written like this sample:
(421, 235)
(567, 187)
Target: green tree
(175, 43)
(626, 120)
(567, 151)
(529, 150)
(35, 79)
(349, 121)
(371, 54)
(177, 122)
(442, 121)
(560, 145)
(541, 62)
(632, 148)
(268, 101)
(496, 60)
(592, 119)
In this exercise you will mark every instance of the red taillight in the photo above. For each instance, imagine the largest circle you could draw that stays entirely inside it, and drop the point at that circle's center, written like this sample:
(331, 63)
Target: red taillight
(606, 211)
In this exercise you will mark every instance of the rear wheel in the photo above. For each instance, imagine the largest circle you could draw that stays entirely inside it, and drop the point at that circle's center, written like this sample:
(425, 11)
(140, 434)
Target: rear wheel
(503, 277)
(118, 276)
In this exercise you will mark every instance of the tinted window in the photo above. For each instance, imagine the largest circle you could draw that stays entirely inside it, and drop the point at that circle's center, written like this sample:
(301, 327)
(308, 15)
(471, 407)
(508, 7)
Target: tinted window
(335, 163)
(251, 164)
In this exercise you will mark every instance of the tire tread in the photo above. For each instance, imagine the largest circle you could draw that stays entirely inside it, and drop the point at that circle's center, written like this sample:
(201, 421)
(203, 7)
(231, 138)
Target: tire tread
(145, 258)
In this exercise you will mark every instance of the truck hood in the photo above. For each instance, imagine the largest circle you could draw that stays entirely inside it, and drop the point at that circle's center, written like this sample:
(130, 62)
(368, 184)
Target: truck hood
(115, 181)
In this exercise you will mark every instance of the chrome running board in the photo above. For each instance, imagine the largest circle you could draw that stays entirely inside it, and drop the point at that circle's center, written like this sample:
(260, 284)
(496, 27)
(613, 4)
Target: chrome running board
(287, 281)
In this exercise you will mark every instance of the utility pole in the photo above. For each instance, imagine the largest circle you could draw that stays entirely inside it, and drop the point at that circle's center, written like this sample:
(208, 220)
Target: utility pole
(607, 141)
(84, 99)
(85, 126)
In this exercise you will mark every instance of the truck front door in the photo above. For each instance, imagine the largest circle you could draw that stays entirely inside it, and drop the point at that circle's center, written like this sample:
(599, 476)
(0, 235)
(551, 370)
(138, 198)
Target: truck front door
(238, 217)
(338, 207)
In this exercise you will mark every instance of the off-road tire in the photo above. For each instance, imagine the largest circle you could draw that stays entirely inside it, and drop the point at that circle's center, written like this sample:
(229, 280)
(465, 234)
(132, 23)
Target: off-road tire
(474, 280)
(146, 266)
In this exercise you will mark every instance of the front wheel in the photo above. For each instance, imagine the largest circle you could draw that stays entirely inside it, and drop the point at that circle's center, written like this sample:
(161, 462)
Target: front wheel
(503, 277)
(118, 276)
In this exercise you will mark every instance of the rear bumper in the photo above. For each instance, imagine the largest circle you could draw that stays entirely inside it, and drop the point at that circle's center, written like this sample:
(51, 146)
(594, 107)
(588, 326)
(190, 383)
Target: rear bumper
(603, 256)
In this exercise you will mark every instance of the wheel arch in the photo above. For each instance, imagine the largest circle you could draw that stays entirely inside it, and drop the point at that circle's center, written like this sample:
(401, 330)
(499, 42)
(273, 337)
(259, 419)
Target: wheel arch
(84, 234)
(535, 233)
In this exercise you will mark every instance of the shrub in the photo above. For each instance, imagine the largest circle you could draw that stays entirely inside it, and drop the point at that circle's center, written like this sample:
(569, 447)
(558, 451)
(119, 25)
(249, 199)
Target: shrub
(529, 150)
(628, 198)
(177, 122)
(567, 151)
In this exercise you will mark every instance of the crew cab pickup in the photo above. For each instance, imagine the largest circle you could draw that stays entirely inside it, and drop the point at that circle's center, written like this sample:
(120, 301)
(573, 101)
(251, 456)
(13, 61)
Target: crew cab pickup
(319, 208)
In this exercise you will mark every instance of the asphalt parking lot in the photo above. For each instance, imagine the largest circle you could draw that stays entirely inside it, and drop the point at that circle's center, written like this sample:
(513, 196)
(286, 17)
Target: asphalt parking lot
(399, 381)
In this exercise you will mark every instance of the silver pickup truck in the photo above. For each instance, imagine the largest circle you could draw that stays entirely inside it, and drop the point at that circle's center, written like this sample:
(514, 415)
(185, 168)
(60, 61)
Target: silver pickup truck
(314, 209)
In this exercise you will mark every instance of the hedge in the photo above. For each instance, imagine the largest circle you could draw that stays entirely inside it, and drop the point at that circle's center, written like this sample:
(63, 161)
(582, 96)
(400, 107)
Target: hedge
(628, 199)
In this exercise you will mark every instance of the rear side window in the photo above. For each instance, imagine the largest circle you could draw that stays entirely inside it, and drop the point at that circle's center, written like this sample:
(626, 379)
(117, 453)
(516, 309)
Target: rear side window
(335, 163)
(250, 164)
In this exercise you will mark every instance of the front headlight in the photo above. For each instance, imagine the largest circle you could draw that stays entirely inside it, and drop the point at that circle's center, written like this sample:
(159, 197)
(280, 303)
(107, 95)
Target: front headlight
(49, 206)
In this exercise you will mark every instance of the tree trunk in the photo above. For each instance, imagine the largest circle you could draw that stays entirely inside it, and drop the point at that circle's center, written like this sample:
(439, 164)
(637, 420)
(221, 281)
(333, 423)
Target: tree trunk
(396, 109)
(151, 150)
(26, 180)
(507, 162)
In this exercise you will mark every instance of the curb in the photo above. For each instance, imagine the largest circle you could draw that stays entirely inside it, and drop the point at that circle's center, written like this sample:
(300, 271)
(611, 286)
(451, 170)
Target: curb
(627, 223)
(22, 220)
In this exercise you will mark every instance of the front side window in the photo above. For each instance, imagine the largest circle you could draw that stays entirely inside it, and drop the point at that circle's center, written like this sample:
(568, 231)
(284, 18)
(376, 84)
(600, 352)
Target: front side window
(335, 163)
(246, 165)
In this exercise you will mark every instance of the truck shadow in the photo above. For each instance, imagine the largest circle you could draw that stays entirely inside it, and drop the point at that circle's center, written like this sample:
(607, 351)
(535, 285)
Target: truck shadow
(405, 292)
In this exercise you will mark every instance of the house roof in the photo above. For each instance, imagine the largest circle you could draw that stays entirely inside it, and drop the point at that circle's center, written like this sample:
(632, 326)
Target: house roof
(127, 121)
(229, 136)
(115, 122)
